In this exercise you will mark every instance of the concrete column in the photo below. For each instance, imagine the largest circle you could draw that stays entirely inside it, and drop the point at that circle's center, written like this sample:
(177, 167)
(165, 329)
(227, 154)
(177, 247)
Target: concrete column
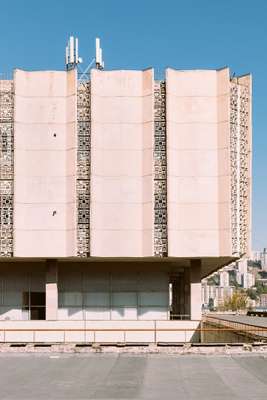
(195, 289)
(51, 289)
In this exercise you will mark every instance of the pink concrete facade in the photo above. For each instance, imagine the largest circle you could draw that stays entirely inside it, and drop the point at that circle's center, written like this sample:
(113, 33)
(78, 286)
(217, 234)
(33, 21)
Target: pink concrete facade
(198, 153)
(205, 215)
(122, 164)
(45, 144)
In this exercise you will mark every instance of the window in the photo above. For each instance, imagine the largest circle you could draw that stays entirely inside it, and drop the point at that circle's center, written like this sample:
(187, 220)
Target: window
(34, 303)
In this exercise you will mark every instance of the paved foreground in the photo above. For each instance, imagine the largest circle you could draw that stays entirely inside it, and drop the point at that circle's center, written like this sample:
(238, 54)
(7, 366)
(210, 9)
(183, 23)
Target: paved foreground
(126, 376)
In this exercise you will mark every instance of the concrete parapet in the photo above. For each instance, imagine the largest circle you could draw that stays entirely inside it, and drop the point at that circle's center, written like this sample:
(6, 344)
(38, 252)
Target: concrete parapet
(98, 331)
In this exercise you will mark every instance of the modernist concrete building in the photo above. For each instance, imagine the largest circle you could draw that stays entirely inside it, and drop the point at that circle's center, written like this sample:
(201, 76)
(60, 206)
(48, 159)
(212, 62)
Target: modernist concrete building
(118, 195)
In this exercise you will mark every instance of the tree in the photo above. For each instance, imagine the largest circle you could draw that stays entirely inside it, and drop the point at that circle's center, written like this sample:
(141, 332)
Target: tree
(238, 301)
(260, 288)
(211, 304)
(252, 294)
(213, 280)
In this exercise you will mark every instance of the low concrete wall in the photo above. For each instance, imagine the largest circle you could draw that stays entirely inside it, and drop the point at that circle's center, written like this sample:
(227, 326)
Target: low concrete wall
(99, 331)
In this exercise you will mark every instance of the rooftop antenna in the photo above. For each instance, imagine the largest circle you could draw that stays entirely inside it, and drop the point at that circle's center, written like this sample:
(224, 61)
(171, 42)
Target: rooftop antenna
(98, 60)
(99, 63)
(72, 58)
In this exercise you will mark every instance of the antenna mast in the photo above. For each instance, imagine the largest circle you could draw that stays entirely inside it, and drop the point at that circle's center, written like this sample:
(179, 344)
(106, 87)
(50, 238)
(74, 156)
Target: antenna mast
(72, 58)
(99, 63)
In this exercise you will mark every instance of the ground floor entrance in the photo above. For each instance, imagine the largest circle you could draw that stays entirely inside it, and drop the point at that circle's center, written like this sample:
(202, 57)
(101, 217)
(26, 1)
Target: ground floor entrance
(99, 291)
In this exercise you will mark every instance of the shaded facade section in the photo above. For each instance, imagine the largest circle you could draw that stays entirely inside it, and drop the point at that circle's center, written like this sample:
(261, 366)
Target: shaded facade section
(99, 291)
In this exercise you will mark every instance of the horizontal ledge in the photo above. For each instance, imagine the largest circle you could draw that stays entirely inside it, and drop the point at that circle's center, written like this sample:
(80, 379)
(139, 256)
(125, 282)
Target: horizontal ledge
(178, 203)
(120, 230)
(67, 96)
(215, 96)
(200, 230)
(110, 150)
(122, 203)
(45, 150)
(123, 123)
(170, 175)
(34, 203)
(120, 176)
(46, 230)
(46, 123)
(202, 149)
(94, 94)
(196, 122)
(45, 176)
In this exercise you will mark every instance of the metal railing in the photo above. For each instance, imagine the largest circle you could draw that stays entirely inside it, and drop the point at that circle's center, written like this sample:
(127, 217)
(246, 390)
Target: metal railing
(239, 328)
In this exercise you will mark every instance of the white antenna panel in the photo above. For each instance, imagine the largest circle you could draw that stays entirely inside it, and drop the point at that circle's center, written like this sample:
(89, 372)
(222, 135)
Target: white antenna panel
(67, 55)
(71, 60)
(97, 51)
(76, 51)
(100, 57)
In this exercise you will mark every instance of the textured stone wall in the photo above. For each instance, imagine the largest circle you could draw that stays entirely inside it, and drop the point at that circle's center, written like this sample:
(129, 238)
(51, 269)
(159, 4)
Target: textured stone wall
(160, 170)
(6, 167)
(83, 168)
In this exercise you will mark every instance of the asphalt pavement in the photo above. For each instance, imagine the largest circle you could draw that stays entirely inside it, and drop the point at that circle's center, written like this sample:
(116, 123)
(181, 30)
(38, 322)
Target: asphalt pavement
(132, 376)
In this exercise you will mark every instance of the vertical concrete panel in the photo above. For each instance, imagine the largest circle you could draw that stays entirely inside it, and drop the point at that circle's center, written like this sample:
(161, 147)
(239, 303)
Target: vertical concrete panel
(195, 109)
(121, 156)
(45, 164)
(224, 162)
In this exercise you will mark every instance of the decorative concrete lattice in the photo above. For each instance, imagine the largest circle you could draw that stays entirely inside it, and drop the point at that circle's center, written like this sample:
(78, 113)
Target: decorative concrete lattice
(234, 146)
(160, 171)
(83, 168)
(6, 167)
(244, 166)
(239, 144)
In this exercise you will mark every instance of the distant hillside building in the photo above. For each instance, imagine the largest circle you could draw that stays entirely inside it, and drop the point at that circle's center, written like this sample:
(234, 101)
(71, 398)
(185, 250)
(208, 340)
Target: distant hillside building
(263, 300)
(114, 188)
(224, 278)
(261, 256)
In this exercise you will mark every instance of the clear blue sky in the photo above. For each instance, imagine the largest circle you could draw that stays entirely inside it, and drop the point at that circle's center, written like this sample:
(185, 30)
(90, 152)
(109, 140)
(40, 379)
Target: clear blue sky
(137, 34)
